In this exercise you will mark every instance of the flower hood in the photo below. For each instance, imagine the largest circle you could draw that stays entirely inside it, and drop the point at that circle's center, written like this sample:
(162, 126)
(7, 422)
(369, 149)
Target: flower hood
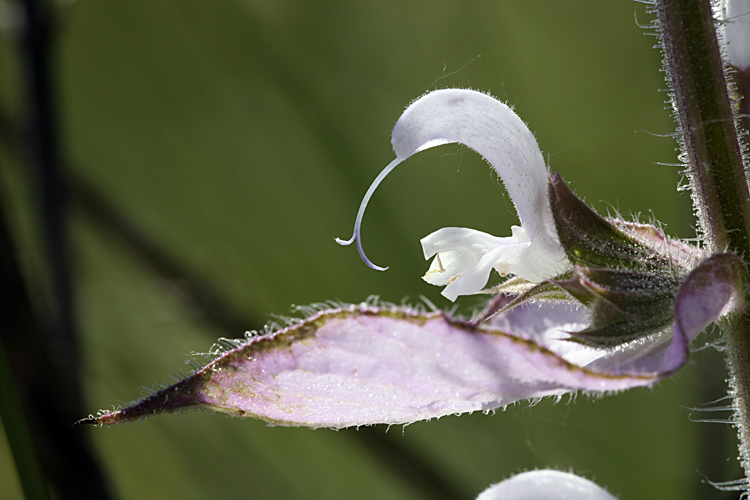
(464, 257)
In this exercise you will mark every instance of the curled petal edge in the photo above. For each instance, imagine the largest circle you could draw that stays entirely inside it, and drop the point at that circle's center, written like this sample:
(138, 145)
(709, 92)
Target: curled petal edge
(712, 290)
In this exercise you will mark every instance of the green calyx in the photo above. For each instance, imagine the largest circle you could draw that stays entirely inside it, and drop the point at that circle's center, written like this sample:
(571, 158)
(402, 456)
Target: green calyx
(624, 305)
(627, 283)
(592, 241)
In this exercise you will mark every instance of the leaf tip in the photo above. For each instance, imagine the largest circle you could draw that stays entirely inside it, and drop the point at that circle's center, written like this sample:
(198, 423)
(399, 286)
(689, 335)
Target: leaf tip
(104, 418)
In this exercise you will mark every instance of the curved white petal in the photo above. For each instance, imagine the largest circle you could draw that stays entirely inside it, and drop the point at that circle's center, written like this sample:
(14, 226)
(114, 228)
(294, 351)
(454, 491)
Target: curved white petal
(492, 129)
(736, 30)
(545, 485)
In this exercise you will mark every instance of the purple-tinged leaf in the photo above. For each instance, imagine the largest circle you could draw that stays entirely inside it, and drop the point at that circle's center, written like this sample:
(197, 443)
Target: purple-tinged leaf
(713, 289)
(710, 291)
(362, 365)
(549, 323)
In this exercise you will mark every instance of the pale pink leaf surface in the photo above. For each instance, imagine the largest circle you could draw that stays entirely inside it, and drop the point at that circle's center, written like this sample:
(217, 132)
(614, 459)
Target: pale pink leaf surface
(363, 364)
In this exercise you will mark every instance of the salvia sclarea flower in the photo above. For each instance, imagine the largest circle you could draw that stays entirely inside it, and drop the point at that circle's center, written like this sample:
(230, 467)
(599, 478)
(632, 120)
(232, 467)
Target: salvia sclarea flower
(593, 304)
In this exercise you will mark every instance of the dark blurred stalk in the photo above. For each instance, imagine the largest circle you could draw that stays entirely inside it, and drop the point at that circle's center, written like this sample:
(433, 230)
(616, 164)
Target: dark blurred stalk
(213, 309)
(67, 462)
(22, 448)
(196, 293)
(44, 158)
(43, 354)
(15, 319)
(430, 481)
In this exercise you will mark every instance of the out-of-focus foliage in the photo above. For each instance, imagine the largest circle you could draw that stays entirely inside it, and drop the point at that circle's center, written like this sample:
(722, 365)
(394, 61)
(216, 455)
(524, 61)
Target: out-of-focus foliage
(241, 136)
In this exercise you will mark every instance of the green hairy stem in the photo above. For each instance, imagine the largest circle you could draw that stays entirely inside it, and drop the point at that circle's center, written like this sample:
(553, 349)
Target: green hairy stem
(715, 168)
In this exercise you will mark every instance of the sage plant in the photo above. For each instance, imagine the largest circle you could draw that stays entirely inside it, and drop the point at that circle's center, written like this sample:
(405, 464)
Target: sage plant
(589, 303)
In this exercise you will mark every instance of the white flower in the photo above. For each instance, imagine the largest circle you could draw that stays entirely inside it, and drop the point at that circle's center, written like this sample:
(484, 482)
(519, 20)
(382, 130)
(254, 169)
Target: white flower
(735, 30)
(465, 257)
(545, 485)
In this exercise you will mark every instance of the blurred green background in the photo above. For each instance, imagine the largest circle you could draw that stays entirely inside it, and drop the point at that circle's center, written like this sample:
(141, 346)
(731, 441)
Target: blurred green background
(240, 136)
